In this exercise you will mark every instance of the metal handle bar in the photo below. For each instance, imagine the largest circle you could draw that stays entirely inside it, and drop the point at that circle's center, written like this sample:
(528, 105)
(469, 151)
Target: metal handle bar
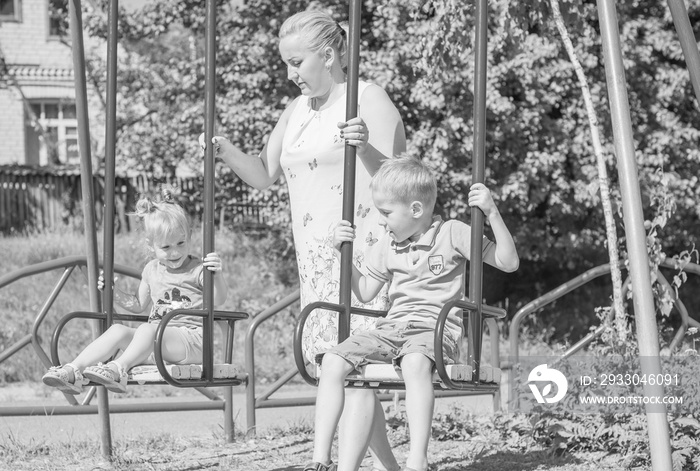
(471, 307)
(229, 316)
(299, 331)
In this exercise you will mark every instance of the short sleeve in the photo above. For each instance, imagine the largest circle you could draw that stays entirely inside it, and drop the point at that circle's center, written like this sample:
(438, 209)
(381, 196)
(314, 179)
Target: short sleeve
(461, 233)
(199, 275)
(147, 273)
(377, 259)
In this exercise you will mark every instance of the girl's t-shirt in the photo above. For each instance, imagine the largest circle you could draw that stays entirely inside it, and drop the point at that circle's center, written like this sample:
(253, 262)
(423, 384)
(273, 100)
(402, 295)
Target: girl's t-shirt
(175, 288)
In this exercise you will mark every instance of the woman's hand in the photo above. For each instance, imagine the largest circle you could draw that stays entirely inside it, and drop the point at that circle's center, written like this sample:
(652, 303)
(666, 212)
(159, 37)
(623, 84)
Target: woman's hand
(355, 133)
(343, 232)
(220, 143)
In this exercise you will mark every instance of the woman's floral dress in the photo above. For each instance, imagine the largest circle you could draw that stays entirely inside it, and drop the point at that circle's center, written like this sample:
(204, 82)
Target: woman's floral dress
(312, 160)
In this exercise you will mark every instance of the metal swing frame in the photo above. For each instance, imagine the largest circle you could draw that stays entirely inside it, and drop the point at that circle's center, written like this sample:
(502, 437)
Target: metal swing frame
(208, 374)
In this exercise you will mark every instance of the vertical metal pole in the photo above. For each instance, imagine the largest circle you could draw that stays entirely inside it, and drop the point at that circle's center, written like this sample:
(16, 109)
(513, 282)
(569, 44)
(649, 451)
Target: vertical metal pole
(88, 195)
(644, 313)
(208, 219)
(478, 171)
(349, 171)
(688, 44)
(110, 156)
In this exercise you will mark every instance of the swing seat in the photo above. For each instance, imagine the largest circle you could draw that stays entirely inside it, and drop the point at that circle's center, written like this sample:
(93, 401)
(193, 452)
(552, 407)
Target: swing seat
(193, 375)
(475, 378)
(149, 374)
(385, 376)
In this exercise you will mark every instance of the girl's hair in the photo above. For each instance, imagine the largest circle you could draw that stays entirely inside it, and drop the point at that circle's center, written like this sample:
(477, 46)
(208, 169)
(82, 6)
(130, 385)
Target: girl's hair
(318, 31)
(406, 179)
(162, 216)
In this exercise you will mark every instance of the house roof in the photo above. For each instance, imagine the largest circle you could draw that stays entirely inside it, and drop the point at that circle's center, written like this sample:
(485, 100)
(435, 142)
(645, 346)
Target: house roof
(28, 72)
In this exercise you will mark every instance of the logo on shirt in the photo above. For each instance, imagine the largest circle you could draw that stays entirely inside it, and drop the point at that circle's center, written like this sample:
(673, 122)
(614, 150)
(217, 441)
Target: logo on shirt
(436, 264)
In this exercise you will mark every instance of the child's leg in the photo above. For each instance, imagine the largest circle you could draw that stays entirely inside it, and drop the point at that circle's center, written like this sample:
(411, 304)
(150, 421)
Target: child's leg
(420, 399)
(363, 424)
(117, 337)
(140, 347)
(330, 400)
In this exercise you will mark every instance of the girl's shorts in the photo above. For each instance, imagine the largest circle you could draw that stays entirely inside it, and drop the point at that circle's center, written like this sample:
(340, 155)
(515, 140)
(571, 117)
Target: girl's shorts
(390, 341)
(192, 340)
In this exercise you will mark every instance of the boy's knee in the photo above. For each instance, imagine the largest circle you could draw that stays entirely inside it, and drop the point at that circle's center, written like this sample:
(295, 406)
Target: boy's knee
(416, 365)
(333, 364)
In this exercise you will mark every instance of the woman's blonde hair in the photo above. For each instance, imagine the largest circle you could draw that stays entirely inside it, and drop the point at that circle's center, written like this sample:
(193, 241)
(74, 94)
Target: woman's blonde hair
(162, 217)
(406, 179)
(318, 31)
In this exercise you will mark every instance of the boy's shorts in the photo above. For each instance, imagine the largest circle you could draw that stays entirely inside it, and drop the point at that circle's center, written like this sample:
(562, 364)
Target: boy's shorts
(193, 341)
(390, 341)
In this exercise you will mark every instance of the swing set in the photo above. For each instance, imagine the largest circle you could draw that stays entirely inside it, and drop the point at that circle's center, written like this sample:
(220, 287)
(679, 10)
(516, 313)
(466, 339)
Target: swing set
(469, 378)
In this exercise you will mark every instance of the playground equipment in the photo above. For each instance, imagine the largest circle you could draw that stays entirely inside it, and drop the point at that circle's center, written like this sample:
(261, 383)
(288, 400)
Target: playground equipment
(471, 378)
(562, 290)
(639, 272)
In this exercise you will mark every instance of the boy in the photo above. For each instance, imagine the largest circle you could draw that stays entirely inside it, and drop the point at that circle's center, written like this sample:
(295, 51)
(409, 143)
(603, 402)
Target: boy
(422, 258)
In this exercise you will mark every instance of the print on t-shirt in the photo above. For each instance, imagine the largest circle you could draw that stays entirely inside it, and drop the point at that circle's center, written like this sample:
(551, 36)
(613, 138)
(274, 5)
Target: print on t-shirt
(436, 264)
(173, 300)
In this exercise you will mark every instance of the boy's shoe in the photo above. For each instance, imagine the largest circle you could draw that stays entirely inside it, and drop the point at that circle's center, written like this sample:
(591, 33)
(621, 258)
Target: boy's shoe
(68, 380)
(320, 467)
(109, 376)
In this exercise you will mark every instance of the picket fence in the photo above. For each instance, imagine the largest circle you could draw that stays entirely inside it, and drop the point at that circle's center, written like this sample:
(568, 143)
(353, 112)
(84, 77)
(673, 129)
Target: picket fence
(36, 198)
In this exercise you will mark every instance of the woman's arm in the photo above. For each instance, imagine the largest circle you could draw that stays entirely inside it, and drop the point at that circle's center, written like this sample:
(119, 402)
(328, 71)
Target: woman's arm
(378, 133)
(258, 171)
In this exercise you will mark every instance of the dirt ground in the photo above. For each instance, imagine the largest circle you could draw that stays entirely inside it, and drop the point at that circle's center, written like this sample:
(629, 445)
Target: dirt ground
(186, 441)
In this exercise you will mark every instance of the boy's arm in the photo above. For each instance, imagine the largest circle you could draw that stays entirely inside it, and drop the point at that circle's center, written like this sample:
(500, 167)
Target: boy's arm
(365, 287)
(505, 257)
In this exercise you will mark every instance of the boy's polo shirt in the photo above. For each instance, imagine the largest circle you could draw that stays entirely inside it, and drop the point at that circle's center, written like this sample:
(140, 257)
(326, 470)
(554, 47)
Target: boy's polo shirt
(425, 275)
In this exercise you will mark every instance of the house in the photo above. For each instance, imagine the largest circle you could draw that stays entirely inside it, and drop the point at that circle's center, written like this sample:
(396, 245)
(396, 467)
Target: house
(39, 154)
(38, 124)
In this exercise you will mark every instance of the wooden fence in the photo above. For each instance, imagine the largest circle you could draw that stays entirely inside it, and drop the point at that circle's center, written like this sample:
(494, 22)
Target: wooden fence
(34, 198)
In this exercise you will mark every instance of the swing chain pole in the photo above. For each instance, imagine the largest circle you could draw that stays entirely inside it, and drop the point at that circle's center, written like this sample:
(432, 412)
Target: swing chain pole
(687, 39)
(640, 275)
(478, 175)
(208, 217)
(110, 158)
(88, 195)
(349, 169)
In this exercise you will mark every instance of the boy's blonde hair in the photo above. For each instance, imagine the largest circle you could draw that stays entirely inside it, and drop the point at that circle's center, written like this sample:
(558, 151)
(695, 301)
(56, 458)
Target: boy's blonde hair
(406, 179)
(318, 31)
(162, 217)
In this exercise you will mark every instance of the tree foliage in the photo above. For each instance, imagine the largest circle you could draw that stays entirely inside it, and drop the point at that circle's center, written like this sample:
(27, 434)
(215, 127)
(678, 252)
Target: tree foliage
(541, 164)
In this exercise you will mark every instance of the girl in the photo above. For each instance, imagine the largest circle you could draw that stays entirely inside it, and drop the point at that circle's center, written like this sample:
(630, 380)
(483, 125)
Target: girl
(173, 280)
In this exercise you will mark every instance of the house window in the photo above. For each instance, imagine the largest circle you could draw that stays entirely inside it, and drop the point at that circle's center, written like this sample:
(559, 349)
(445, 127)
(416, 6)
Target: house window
(58, 18)
(52, 133)
(10, 10)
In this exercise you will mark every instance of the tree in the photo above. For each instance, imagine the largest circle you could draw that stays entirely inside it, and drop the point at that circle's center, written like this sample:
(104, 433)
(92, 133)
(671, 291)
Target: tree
(541, 159)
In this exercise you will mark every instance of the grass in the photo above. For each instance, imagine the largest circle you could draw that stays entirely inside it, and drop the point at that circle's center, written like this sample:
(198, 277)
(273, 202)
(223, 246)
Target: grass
(479, 444)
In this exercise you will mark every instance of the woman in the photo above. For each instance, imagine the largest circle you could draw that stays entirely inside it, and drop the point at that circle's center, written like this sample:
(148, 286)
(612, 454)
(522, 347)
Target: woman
(307, 146)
